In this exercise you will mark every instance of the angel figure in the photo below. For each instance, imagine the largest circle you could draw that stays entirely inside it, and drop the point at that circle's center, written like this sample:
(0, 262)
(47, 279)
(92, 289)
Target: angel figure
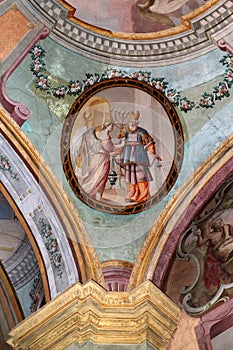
(219, 238)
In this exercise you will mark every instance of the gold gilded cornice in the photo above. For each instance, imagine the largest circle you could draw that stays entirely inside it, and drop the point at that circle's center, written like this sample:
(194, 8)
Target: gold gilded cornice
(83, 250)
(89, 312)
(153, 245)
(117, 263)
(185, 20)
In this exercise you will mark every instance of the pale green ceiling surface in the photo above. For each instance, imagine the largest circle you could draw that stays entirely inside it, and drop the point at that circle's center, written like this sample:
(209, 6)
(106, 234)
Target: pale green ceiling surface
(117, 236)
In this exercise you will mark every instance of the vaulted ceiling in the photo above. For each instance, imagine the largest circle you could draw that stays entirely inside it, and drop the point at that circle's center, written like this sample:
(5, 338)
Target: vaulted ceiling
(49, 238)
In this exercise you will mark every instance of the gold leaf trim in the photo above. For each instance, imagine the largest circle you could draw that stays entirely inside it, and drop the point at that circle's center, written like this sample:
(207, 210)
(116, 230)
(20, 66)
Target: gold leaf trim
(88, 312)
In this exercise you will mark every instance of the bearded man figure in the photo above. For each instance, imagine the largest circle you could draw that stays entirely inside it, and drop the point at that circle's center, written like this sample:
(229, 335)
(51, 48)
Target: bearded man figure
(135, 160)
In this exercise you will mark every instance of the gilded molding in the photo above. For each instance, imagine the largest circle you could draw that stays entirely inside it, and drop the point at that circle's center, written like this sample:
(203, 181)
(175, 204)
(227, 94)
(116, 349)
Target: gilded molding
(151, 250)
(117, 263)
(74, 228)
(88, 312)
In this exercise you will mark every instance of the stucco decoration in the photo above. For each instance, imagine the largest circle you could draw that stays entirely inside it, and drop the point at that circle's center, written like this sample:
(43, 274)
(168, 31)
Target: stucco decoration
(208, 241)
(89, 313)
(122, 146)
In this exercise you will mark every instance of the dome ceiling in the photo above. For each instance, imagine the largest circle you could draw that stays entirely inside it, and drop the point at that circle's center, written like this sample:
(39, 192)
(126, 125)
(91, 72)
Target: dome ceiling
(134, 16)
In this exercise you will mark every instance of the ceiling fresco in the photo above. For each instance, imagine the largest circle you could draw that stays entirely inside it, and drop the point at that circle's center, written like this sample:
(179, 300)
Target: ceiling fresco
(179, 95)
(203, 264)
(134, 16)
(123, 122)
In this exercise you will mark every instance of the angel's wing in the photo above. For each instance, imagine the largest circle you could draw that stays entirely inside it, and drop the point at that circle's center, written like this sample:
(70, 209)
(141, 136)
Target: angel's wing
(163, 6)
(166, 6)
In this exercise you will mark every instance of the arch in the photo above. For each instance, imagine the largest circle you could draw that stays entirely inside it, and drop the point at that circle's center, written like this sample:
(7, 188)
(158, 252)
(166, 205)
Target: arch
(50, 220)
(31, 240)
(160, 244)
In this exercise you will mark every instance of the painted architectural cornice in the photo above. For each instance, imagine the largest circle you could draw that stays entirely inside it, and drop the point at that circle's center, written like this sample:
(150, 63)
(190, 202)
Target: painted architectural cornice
(22, 266)
(88, 312)
(196, 35)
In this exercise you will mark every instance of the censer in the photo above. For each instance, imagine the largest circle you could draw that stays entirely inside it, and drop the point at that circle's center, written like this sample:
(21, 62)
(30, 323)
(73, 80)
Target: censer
(112, 176)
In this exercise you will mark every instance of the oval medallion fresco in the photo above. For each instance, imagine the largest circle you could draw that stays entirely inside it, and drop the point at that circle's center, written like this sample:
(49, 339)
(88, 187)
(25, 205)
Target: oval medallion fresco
(122, 146)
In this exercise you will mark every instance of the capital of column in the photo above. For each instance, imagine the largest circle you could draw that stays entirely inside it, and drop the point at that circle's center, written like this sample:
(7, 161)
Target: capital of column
(89, 313)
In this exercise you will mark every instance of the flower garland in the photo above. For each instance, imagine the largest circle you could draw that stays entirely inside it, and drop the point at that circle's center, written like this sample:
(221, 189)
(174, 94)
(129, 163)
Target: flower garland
(6, 166)
(51, 244)
(37, 289)
(76, 87)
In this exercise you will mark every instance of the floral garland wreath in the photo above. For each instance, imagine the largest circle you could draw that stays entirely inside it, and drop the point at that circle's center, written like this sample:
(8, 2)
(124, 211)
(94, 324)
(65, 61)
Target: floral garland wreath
(75, 87)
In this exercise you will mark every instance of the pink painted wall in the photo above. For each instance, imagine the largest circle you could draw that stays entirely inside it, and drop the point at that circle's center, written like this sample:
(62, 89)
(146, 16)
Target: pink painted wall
(184, 337)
